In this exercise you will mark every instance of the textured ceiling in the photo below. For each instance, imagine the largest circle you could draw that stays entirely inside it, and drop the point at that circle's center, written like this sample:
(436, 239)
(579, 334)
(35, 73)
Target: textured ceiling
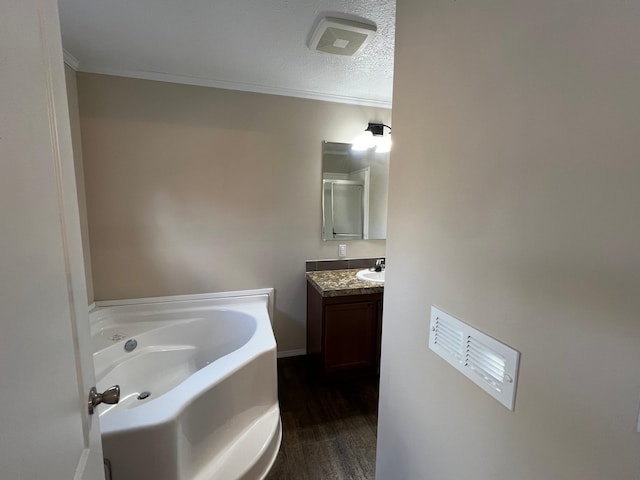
(253, 45)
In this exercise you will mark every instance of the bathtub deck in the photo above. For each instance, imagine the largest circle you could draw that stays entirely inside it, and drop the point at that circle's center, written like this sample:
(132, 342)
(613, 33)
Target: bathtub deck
(329, 430)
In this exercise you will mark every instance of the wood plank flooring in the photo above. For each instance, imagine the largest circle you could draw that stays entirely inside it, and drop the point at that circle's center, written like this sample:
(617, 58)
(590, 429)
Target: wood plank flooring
(329, 429)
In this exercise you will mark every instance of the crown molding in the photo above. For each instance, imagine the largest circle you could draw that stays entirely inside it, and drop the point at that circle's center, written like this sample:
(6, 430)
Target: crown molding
(226, 85)
(70, 60)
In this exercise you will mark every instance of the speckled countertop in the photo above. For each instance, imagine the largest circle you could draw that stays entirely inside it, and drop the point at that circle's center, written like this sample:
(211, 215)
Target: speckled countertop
(335, 283)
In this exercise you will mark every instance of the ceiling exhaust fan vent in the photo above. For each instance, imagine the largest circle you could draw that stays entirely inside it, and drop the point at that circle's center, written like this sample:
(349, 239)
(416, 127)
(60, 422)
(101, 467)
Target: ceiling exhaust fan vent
(340, 36)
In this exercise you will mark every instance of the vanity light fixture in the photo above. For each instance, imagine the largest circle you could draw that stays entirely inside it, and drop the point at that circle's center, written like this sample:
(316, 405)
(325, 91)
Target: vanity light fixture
(373, 137)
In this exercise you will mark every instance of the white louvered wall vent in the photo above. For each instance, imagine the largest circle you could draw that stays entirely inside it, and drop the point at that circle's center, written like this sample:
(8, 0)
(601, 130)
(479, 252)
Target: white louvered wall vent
(488, 363)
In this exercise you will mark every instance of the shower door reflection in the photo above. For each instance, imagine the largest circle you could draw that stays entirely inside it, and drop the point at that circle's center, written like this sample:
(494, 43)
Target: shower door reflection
(343, 209)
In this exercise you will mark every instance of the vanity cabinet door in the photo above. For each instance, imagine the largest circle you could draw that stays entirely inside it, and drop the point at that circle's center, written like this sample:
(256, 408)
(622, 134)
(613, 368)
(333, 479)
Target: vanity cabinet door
(351, 337)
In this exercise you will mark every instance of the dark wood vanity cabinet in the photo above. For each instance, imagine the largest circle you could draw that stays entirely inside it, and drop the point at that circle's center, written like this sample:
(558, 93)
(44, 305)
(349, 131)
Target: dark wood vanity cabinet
(343, 333)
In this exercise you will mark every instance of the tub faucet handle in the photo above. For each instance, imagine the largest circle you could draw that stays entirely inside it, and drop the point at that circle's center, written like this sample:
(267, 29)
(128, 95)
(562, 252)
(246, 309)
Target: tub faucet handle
(111, 396)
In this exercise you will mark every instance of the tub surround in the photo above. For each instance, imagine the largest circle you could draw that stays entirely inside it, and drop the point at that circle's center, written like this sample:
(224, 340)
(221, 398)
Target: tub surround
(337, 283)
(190, 352)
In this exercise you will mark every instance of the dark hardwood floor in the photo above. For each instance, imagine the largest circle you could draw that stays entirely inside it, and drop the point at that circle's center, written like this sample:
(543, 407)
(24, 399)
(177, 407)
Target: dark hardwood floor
(329, 429)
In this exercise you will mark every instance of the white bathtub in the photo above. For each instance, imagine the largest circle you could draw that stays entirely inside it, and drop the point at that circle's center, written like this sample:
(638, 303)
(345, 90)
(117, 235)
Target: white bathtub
(208, 363)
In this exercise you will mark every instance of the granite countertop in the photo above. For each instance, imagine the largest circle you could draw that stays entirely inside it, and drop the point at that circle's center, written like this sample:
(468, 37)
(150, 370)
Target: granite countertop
(335, 283)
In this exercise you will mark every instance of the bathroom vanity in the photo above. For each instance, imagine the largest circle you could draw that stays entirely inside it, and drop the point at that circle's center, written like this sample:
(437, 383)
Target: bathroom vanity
(344, 323)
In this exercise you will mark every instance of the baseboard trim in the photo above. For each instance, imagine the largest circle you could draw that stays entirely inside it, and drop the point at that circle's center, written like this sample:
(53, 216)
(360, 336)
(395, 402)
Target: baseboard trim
(292, 353)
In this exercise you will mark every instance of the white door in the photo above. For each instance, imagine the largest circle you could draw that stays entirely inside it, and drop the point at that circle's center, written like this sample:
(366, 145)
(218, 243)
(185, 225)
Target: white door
(45, 363)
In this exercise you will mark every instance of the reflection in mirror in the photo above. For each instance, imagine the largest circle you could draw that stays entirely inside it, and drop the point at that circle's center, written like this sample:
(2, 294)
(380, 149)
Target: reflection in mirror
(354, 193)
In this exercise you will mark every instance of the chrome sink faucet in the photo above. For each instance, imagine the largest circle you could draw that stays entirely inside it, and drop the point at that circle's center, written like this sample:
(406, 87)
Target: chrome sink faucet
(380, 265)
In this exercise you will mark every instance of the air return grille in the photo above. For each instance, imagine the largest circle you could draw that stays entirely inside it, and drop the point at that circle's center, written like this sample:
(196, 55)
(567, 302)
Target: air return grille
(490, 364)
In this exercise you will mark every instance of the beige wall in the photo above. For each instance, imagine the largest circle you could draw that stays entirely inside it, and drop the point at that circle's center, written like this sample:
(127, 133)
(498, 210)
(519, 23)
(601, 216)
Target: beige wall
(194, 189)
(515, 186)
(74, 118)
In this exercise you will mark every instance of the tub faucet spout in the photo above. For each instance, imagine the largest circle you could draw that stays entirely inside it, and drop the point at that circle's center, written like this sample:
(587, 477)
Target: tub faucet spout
(111, 396)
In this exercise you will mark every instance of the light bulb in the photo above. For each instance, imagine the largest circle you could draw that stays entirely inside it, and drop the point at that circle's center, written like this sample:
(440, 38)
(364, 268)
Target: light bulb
(383, 144)
(364, 141)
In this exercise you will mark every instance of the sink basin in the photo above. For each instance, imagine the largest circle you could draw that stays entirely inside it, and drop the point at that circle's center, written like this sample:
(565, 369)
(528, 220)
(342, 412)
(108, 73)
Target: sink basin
(369, 276)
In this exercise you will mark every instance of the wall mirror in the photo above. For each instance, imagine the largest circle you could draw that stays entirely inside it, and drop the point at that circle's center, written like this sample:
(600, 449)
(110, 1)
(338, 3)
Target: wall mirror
(354, 193)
